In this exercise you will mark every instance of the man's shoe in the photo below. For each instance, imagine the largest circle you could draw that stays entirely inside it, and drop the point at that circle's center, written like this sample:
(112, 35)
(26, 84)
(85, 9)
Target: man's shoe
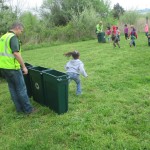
(32, 111)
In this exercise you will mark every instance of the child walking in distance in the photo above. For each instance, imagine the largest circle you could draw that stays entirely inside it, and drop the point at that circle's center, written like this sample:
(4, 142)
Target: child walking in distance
(108, 34)
(115, 37)
(126, 31)
(74, 68)
(133, 35)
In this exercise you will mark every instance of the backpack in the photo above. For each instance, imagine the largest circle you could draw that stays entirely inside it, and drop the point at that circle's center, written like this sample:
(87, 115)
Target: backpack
(133, 33)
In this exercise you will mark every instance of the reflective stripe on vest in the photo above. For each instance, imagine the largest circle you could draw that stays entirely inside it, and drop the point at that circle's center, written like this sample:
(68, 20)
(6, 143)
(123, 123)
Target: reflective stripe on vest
(7, 59)
(6, 53)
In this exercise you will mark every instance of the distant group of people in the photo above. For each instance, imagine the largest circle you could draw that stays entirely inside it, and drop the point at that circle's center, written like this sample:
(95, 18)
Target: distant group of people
(113, 34)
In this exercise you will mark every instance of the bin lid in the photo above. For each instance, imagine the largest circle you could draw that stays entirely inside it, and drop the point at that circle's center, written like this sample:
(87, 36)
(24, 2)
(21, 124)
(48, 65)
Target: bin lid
(59, 76)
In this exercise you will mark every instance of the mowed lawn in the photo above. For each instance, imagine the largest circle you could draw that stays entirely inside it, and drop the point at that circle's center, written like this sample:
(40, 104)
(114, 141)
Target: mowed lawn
(113, 113)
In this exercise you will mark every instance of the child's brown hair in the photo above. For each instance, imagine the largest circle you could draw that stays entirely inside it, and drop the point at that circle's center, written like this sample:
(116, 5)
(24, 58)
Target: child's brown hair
(74, 54)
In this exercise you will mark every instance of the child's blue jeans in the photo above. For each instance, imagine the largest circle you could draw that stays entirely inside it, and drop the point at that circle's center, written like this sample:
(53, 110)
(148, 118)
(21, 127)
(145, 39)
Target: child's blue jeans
(132, 42)
(76, 78)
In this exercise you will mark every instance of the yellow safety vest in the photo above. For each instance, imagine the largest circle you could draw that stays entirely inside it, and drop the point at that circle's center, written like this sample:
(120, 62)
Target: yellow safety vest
(7, 59)
(99, 28)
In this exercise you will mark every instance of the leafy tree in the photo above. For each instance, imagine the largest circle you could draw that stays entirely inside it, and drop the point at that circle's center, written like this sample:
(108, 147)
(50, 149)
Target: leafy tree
(117, 11)
(84, 25)
(52, 13)
(60, 12)
(31, 26)
(3, 6)
(6, 16)
(102, 7)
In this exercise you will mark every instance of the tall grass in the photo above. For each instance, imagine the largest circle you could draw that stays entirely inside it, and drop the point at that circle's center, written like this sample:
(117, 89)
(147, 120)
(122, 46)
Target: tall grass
(113, 113)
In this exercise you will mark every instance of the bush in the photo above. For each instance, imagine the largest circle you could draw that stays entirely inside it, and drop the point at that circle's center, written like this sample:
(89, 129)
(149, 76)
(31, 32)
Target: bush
(81, 27)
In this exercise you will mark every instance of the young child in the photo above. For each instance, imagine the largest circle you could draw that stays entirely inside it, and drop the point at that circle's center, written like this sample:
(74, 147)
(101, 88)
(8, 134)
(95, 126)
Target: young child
(108, 34)
(115, 37)
(74, 68)
(133, 35)
(146, 29)
(148, 36)
(126, 31)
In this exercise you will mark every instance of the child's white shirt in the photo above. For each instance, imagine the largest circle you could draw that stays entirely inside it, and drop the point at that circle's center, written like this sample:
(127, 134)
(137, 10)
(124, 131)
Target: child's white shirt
(76, 66)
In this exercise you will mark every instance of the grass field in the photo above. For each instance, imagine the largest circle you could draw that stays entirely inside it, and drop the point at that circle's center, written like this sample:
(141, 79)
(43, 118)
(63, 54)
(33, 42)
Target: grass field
(113, 113)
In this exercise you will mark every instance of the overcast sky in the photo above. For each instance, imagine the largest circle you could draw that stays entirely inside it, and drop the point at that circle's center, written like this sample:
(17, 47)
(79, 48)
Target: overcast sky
(126, 4)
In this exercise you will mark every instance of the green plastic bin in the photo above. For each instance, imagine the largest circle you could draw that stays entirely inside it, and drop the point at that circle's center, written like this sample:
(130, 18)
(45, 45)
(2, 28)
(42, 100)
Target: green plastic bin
(36, 78)
(1, 75)
(27, 80)
(56, 90)
(101, 37)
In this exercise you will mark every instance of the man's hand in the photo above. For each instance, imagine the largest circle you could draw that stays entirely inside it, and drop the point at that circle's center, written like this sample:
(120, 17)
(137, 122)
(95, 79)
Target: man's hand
(20, 60)
(25, 70)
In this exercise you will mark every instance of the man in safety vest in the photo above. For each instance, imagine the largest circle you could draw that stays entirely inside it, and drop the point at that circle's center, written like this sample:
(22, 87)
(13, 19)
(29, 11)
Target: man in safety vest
(10, 62)
(99, 30)
(99, 27)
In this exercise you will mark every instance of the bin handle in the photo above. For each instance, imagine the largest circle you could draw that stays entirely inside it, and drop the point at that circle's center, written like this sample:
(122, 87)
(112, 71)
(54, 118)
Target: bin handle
(59, 79)
(68, 77)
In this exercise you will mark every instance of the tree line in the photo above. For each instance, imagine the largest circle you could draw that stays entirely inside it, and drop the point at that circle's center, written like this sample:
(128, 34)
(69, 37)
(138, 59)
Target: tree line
(63, 20)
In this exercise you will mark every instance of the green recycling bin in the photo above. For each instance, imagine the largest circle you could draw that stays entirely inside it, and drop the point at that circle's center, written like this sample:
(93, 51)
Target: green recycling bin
(101, 37)
(1, 75)
(56, 90)
(27, 80)
(36, 78)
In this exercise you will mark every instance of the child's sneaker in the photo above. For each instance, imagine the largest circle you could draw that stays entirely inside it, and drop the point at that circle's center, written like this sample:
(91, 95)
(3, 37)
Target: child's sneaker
(78, 94)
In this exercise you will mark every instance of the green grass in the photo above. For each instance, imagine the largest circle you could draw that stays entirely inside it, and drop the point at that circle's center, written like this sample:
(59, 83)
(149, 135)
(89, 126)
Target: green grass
(112, 114)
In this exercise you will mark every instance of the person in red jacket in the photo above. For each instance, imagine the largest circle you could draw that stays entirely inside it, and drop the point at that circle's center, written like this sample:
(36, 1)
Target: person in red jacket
(114, 37)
